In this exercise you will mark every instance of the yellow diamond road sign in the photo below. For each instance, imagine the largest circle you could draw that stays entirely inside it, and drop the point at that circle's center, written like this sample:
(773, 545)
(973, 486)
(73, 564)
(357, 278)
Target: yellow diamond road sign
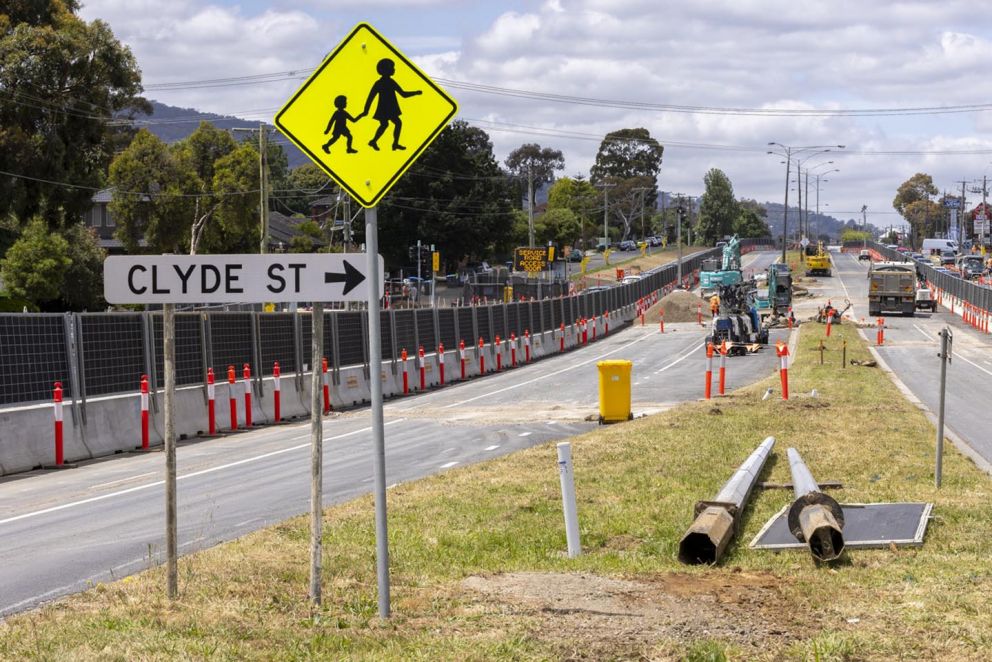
(366, 114)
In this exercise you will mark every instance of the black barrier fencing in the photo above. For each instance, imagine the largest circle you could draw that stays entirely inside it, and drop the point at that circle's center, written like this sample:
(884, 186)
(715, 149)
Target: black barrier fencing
(100, 354)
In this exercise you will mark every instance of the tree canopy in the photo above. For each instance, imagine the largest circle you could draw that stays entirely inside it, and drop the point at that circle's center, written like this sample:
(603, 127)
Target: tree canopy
(65, 80)
(535, 162)
(718, 209)
(914, 203)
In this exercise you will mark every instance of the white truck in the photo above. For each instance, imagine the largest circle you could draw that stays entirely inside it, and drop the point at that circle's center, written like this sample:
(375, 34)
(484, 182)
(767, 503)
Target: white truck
(891, 287)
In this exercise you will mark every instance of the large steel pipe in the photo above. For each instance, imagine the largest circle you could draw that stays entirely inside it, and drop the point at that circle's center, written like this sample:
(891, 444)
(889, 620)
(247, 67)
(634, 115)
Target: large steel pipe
(717, 521)
(814, 517)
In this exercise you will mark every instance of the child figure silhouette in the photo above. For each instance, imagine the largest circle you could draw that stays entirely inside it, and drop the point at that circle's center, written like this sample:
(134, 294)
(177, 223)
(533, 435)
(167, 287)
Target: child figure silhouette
(388, 108)
(338, 125)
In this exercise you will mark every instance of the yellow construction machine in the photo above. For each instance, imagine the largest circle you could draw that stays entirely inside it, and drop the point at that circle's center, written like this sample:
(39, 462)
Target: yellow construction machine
(817, 260)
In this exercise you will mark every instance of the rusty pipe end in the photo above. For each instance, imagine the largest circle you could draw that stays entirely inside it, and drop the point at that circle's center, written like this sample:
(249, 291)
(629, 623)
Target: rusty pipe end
(707, 537)
(818, 520)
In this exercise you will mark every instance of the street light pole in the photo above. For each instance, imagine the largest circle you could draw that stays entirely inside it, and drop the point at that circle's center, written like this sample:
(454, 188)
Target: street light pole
(606, 209)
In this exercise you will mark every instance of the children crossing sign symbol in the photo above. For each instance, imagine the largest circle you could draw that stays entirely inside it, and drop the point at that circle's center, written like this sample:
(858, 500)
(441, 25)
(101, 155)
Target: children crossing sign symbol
(366, 114)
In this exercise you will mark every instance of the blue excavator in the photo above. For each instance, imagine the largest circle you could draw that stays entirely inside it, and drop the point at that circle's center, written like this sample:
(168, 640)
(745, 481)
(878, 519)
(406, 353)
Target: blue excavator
(726, 271)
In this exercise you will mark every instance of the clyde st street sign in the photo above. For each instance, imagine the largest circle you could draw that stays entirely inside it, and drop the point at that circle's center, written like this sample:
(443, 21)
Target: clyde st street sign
(236, 278)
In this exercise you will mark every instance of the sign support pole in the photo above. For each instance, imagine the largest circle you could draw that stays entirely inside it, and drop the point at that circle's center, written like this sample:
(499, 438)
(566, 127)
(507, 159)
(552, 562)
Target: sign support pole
(169, 362)
(378, 428)
(316, 453)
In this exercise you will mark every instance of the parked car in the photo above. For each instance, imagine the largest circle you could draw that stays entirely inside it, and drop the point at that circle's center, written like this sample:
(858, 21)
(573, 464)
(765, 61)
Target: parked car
(575, 255)
(654, 241)
(630, 279)
(864, 255)
(628, 245)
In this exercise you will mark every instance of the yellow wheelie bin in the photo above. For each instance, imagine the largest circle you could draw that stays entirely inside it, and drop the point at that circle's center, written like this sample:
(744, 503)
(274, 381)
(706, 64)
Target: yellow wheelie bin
(614, 391)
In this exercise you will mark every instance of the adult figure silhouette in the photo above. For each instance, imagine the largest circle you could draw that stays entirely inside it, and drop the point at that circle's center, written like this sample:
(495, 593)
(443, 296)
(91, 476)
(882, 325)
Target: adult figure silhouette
(388, 108)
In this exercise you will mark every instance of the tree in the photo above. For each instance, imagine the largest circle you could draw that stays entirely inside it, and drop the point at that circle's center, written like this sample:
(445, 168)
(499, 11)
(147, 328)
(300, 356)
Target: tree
(913, 202)
(560, 226)
(579, 197)
(309, 236)
(536, 164)
(302, 186)
(35, 265)
(454, 196)
(82, 285)
(750, 223)
(63, 80)
(628, 161)
(718, 209)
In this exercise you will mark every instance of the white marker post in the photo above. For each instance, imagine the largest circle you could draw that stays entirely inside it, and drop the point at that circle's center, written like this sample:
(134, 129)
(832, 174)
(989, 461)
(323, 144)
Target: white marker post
(568, 499)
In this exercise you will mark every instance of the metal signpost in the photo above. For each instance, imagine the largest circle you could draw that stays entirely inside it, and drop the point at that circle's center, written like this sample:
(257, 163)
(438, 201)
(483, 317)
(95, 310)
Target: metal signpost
(366, 71)
(196, 279)
(946, 341)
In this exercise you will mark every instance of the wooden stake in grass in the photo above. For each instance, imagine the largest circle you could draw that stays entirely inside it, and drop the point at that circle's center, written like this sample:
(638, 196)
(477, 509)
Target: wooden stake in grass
(821, 351)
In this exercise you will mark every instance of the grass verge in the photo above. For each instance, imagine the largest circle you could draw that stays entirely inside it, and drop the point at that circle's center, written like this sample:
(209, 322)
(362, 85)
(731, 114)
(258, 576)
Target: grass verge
(479, 574)
(636, 264)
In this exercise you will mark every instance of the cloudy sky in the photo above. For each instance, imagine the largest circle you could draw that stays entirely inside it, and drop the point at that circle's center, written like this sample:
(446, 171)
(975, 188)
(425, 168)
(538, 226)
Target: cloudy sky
(714, 81)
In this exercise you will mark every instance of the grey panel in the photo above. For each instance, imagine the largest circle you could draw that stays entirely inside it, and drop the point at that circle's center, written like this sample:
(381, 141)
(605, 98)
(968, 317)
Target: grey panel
(351, 345)
(865, 526)
(32, 357)
(482, 314)
(425, 329)
(189, 358)
(499, 322)
(231, 337)
(405, 336)
(465, 328)
(513, 319)
(446, 322)
(276, 331)
(385, 335)
(113, 352)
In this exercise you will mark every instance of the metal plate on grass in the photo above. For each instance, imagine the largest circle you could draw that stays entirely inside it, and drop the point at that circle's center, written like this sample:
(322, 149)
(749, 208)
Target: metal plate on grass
(865, 526)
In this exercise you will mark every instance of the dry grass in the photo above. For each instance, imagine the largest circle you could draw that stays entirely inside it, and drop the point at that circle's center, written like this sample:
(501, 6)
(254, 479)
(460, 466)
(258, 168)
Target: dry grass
(636, 483)
(606, 275)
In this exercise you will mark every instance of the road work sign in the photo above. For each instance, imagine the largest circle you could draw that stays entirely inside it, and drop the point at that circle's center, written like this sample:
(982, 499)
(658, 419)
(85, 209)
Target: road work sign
(236, 278)
(532, 260)
(366, 114)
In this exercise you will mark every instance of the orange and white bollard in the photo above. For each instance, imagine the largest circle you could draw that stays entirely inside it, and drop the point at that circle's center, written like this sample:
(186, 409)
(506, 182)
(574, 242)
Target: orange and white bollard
(461, 355)
(699, 314)
(561, 338)
(789, 318)
(526, 345)
(406, 374)
(661, 320)
(782, 350)
(723, 368)
(709, 370)
(440, 362)
(422, 364)
(498, 350)
(880, 335)
(513, 349)
(594, 327)
(830, 317)
(144, 412)
(585, 331)
(277, 391)
(327, 386)
(231, 379)
(246, 374)
(482, 356)
(606, 323)
(211, 405)
(57, 398)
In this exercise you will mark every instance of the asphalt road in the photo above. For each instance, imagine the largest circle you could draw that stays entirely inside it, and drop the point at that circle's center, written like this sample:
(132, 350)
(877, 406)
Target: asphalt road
(910, 350)
(62, 531)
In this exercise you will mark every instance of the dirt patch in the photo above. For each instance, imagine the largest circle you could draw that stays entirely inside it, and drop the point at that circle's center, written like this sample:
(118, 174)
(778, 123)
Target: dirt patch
(679, 306)
(591, 617)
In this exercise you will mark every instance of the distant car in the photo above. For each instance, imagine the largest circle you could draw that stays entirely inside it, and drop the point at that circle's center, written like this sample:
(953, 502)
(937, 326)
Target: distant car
(575, 255)
(925, 300)
(864, 255)
(628, 245)
(630, 279)
(597, 288)
(917, 256)
(902, 249)
(892, 246)
(654, 241)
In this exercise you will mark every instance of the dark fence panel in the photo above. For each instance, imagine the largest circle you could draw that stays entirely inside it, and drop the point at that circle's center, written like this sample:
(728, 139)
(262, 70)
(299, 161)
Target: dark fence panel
(499, 322)
(386, 336)
(32, 357)
(513, 324)
(277, 340)
(465, 326)
(230, 334)
(113, 352)
(446, 324)
(550, 322)
(425, 329)
(485, 329)
(405, 336)
(351, 345)
(189, 351)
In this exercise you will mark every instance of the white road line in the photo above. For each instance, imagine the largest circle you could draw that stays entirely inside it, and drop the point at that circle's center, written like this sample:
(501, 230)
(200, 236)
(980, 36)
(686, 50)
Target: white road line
(925, 334)
(987, 372)
(525, 434)
(448, 465)
(847, 294)
(692, 348)
(121, 480)
(491, 448)
(194, 474)
(550, 374)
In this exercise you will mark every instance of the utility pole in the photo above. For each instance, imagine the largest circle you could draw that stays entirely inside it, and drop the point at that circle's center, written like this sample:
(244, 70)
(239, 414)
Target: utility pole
(530, 205)
(961, 215)
(785, 211)
(642, 190)
(678, 236)
(606, 209)
(864, 226)
(263, 183)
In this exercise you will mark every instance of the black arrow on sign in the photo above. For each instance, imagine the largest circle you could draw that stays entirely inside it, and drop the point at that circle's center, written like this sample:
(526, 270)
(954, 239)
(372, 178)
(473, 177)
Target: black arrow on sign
(351, 277)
